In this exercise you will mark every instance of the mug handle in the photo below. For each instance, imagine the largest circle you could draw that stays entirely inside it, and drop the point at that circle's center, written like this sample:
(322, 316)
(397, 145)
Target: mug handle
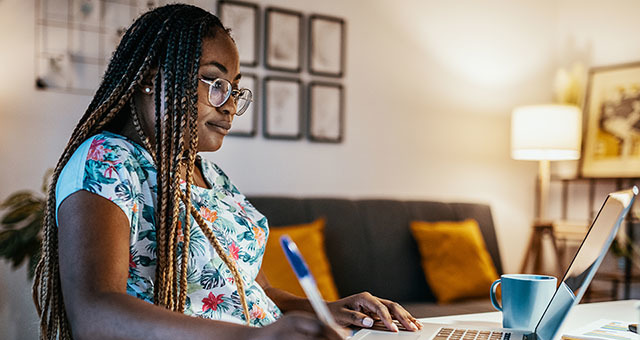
(492, 293)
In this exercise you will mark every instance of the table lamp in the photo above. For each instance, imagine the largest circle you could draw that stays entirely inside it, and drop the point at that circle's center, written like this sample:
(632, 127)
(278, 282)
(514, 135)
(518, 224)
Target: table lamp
(545, 133)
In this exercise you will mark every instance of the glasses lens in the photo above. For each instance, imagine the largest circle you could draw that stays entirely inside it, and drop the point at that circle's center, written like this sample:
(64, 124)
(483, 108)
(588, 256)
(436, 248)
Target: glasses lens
(219, 91)
(243, 101)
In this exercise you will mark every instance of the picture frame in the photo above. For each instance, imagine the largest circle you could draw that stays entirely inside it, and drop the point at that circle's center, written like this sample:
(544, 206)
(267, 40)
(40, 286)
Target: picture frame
(242, 19)
(282, 108)
(326, 55)
(326, 112)
(611, 129)
(247, 124)
(283, 40)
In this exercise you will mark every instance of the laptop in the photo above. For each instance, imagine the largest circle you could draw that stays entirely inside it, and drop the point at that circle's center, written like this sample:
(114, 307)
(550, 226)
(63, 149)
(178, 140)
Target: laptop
(583, 267)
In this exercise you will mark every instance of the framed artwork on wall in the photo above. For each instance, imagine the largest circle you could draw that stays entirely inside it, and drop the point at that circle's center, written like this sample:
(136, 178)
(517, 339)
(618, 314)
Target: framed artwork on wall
(326, 41)
(246, 125)
(611, 142)
(242, 19)
(325, 112)
(282, 108)
(283, 40)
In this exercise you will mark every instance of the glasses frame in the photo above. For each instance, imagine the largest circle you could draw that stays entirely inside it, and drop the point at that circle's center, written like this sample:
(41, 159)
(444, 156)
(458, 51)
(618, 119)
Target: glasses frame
(235, 93)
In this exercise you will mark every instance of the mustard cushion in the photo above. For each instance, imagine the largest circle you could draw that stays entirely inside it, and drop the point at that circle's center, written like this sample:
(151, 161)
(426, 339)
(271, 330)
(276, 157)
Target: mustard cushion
(455, 259)
(310, 240)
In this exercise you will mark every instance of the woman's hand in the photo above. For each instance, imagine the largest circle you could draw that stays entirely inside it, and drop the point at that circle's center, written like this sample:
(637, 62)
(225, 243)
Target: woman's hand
(299, 325)
(361, 310)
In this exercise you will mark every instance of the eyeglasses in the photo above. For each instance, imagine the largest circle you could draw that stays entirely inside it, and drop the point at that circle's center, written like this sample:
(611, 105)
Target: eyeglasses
(221, 89)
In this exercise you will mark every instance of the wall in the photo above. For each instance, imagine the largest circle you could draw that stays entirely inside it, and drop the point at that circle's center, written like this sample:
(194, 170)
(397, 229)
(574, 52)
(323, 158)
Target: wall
(429, 88)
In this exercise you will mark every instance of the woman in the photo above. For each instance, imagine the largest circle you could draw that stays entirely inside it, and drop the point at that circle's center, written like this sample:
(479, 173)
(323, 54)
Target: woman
(116, 225)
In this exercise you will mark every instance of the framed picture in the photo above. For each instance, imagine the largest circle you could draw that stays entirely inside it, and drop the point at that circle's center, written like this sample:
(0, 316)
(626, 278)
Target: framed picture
(282, 108)
(242, 19)
(611, 143)
(326, 116)
(283, 40)
(246, 125)
(327, 44)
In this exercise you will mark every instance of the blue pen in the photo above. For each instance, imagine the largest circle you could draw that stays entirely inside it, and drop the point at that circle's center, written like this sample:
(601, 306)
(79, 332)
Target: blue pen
(306, 281)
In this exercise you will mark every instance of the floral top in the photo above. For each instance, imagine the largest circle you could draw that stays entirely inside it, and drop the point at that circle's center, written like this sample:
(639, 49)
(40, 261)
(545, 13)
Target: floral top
(123, 172)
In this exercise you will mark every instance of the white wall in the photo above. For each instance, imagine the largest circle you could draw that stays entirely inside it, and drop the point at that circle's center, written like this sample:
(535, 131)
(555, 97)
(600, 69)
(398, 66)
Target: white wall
(429, 89)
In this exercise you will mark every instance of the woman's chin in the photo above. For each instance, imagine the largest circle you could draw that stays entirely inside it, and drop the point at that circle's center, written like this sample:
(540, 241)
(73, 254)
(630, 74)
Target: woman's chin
(210, 145)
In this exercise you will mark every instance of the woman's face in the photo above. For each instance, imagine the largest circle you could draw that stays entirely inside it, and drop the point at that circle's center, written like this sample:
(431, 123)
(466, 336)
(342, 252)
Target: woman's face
(219, 59)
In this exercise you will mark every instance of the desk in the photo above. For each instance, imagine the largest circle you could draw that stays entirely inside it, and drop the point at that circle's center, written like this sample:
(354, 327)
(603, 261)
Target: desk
(580, 315)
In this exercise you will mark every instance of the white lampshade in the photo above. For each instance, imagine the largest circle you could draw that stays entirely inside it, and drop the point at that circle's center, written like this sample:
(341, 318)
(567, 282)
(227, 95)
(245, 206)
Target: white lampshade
(546, 132)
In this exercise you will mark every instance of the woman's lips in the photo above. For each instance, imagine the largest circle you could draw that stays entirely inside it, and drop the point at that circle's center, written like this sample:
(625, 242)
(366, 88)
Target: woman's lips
(221, 127)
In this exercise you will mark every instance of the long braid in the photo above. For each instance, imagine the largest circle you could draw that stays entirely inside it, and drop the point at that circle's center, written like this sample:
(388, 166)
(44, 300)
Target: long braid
(195, 33)
(151, 41)
(163, 140)
(182, 74)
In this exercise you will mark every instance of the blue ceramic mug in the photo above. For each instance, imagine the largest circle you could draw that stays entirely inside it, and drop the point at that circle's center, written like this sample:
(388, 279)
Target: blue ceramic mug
(524, 298)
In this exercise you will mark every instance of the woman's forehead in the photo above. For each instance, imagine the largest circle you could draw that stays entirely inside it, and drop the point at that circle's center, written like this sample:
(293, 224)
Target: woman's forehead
(222, 50)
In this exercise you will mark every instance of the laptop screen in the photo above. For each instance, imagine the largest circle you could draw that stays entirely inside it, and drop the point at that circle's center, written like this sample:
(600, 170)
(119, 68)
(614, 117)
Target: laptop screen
(586, 262)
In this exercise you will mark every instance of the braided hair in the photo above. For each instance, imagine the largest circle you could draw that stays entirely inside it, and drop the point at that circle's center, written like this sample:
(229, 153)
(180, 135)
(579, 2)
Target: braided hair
(169, 38)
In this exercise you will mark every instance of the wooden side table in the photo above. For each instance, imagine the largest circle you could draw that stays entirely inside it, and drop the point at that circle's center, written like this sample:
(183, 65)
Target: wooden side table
(535, 249)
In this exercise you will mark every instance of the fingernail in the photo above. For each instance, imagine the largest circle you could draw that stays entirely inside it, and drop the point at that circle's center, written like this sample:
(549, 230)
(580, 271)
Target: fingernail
(413, 327)
(367, 322)
(394, 327)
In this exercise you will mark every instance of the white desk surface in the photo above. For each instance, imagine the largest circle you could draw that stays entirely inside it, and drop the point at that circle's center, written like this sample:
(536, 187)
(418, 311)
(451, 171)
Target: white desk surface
(582, 314)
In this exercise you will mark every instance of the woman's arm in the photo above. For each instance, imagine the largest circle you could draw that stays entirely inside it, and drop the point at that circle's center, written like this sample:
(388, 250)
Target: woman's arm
(93, 244)
(353, 310)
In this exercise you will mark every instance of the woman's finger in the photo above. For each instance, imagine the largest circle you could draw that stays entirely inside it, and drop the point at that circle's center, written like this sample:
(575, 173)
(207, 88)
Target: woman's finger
(373, 304)
(351, 317)
(401, 315)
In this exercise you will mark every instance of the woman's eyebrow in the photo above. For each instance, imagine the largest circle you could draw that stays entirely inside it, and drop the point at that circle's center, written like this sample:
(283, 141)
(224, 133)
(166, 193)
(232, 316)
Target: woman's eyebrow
(222, 68)
(218, 65)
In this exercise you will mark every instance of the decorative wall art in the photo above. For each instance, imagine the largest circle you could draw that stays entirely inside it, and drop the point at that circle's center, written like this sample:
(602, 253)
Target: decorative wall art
(246, 124)
(611, 145)
(282, 108)
(242, 19)
(76, 38)
(326, 50)
(283, 40)
(325, 112)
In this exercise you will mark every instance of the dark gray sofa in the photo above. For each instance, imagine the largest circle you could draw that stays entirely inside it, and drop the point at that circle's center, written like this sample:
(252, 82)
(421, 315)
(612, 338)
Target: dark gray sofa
(370, 247)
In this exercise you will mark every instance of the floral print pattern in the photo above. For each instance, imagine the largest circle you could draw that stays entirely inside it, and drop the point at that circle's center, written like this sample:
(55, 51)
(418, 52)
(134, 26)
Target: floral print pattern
(123, 172)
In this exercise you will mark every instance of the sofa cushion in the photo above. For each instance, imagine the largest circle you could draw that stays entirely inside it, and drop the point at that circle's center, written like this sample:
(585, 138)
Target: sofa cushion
(455, 259)
(309, 237)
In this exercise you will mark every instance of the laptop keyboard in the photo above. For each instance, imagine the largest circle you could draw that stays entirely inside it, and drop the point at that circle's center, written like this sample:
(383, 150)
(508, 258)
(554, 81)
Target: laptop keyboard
(470, 334)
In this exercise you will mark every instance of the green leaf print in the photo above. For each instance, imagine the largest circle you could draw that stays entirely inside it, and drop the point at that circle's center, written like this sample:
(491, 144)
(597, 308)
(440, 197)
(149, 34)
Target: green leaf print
(146, 261)
(149, 215)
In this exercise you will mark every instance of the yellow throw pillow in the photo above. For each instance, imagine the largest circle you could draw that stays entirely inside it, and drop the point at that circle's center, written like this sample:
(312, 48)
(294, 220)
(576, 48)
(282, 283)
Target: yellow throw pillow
(310, 240)
(455, 259)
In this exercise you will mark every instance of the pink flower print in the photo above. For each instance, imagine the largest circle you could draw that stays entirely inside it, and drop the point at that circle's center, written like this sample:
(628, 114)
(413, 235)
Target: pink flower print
(212, 302)
(257, 312)
(112, 167)
(231, 280)
(97, 150)
(234, 250)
